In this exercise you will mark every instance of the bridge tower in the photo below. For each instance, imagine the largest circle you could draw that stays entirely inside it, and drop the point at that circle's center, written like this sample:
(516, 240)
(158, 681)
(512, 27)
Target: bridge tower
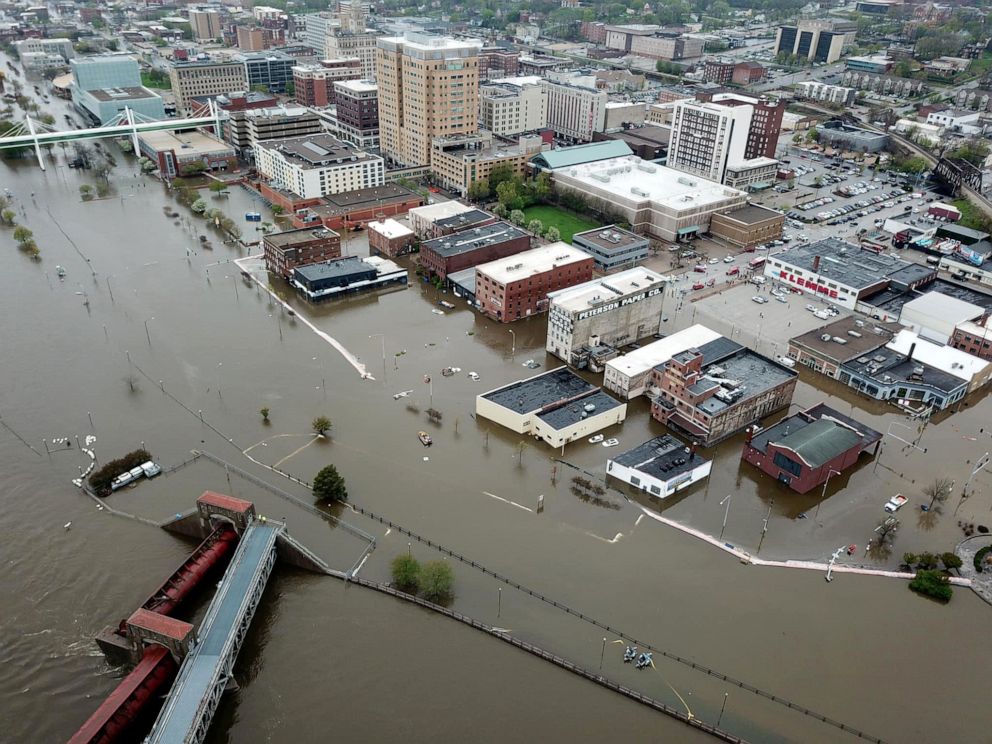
(212, 506)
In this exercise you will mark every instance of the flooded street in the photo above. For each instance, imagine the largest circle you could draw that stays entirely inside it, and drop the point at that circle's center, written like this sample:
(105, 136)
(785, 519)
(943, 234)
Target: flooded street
(150, 338)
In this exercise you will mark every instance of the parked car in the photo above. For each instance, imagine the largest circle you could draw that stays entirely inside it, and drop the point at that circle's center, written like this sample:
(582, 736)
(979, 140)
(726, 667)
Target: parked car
(895, 503)
(698, 285)
(759, 300)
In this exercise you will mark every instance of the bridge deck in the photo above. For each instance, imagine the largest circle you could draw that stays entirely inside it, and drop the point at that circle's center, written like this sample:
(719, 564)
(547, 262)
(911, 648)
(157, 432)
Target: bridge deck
(212, 658)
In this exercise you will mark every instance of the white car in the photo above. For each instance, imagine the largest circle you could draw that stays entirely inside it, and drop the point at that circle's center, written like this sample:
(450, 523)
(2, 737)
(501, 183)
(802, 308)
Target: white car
(895, 503)
(714, 261)
(786, 361)
(473, 376)
(782, 298)
(728, 259)
(811, 308)
(611, 442)
(759, 300)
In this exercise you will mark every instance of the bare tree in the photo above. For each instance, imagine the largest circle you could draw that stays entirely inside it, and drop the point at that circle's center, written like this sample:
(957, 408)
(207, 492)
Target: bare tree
(938, 492)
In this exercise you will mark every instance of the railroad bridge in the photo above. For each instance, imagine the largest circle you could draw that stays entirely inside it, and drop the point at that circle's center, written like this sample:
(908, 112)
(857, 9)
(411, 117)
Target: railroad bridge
(195, 666)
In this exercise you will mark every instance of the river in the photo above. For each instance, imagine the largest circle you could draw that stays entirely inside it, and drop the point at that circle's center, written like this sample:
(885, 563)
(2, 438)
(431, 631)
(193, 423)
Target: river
(323, 657)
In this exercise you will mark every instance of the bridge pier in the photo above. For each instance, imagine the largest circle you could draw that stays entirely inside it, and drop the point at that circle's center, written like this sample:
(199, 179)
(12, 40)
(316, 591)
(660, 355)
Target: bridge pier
(37, 147)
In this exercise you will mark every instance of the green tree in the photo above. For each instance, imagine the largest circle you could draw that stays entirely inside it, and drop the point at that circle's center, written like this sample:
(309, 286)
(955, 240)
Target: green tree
(535, 226)
(553, 234)
(102, 188)
(22, 234)
(509, 195)
(517, 217)
(7, 216)
(321, 425)
(199, 206)
(436, 581)
(478, 190)
(290, 88)
(932, 584)
(406, 573)
(218, 186)
(329, 485)
(974, 151)
(499, 174)
(264, 411)
(193, 169)
(277, 210)
(951, 561)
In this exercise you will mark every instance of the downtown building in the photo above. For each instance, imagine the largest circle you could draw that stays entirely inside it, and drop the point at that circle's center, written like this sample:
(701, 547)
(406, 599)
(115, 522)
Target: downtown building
(208, 77)
(610, 311)
(819, 41)
(316, 166)
(511, 106)
(357, 112)
(205, 24)
(313, 85)
(575, 111)
(286, 251)
(517, 287)
(428, 88)
(728, 140)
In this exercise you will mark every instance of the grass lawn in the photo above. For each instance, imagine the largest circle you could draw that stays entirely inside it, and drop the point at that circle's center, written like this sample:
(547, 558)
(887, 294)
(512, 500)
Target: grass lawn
(971, 216)
(160, 82)
(567, 223)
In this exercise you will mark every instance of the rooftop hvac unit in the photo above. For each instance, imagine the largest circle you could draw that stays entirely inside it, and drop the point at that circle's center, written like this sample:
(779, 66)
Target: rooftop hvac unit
(854, 333)
(638, 192)
(825, 337)
(686, 181)
(601, 177)
(839, 340)
(918, 371)
(514, 267)
(589, 407)
(878, 358)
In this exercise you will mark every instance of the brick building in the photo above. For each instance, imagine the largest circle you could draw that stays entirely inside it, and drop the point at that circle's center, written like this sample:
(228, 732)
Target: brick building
(471, 247)
(285, 251)
(719, 389)
(804, 450)
(748, 226)
(355, 208)
(390, 238)
(517, 287)
(497, 62)
(314, 84)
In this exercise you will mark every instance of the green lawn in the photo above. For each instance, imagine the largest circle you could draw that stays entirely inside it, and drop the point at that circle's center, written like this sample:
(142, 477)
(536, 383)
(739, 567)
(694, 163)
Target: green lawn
(567, 223)
(158, 81)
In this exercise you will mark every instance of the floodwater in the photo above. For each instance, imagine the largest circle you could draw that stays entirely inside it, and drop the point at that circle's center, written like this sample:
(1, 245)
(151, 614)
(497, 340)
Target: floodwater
(148, 330)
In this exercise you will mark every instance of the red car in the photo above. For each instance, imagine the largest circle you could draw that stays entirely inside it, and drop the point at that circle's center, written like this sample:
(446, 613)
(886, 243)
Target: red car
(734, 271)
(698, 285)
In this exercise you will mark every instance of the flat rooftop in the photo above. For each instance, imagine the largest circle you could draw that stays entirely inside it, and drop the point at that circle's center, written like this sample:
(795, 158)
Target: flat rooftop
(752, 214)
(892, 300)
(534, 261)
(757, 373)
(374, 196)
(316, 151)
(871, 335)
(289, 238)
(568, 414)
(189, 144)
(657, 184)
(473, 239)
(338, 268)
(889, 366)
(949, 309)
(390, 228)
(441, 210)
(953, 361)
(357, 86)
(817, 434)
(606, 289)
(841, 261)
(610, 239)
(463, 219)
(121, 94)
(541, 391)
(661, 351)
(663, 457)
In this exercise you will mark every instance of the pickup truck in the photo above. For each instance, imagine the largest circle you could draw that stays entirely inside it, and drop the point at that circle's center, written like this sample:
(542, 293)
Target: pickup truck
(895, 503)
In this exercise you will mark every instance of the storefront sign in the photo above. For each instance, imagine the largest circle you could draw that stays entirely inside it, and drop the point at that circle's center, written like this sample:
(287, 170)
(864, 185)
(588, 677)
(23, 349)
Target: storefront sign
(808, 284)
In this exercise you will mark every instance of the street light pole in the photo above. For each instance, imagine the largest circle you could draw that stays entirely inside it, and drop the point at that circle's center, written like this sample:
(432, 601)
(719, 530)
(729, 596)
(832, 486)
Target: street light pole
(823, 495)
(726, 512)
(382, 338)
(147, 334)
(513, 343)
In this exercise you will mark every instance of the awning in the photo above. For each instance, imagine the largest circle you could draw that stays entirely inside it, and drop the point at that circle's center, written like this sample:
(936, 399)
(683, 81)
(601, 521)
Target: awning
(687, 230)
(760, 186)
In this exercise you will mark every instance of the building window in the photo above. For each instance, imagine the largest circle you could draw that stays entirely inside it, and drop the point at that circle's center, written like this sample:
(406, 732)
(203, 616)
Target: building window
(786, 464)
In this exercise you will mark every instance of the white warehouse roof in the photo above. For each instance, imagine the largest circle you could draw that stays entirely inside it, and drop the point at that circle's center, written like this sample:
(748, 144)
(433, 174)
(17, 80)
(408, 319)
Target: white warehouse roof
(945, 358)
(650, 356)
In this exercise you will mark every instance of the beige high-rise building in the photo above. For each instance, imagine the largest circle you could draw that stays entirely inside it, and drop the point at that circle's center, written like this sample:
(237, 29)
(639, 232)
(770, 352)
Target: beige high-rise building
(428, 87)
(205, 78)
(205, 24)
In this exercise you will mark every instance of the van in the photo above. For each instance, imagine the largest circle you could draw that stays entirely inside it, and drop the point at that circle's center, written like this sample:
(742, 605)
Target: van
(785, 361)
(757, 280)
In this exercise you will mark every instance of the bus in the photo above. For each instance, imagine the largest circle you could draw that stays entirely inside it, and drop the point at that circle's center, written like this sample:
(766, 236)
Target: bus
(756, 263)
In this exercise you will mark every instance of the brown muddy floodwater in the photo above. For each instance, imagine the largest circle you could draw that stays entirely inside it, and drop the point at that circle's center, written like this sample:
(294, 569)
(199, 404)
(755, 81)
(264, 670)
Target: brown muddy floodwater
(328, 660)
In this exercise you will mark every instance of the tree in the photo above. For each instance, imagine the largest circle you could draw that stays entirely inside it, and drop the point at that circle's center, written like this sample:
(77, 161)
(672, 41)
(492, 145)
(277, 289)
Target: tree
(199, 206)
(509, 195)
(102, 188)
(7, 216)
(886, 531)
(436, 581)
(500, 174)
(290, 88)
(406, 573)
(277, 210)
(668, 68)
(974, 151)
(553, 234)
(932, 584)
(329, 485)
(951, 561)
(535, 226)
(321, 425)
(22, 234)
(218, 186)
(500, 211)
(193, 169)
(264, 410)
(517, 217)
(478, 190)
(938, 492)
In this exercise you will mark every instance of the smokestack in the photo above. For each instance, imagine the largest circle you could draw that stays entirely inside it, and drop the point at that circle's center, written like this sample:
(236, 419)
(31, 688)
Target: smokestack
(912, 348)
(816, 263)
(748, 434)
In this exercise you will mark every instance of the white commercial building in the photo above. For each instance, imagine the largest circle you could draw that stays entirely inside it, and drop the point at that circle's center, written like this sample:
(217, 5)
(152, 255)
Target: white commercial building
(575, 112)
(612, 310)
(629, 375)
(557, 406)
(934, 315)
(61, 47)
(977, 372)
(661, 466)
(422, 219)
(708, 139)
(815, 91)
(653, 199)
(318, 165)
(507, 108)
